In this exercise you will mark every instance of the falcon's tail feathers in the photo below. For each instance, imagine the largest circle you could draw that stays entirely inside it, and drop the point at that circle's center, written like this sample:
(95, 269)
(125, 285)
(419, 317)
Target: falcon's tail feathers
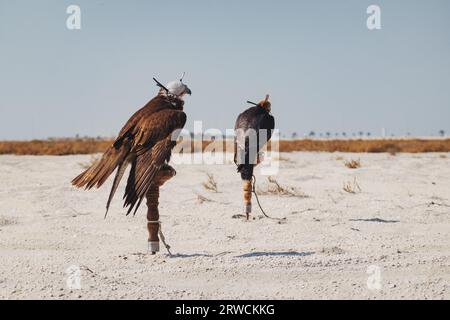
(119, 175)
(97, 174)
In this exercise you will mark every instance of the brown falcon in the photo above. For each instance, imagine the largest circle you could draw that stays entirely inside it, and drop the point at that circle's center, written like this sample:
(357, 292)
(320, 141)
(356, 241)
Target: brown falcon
(145, 143)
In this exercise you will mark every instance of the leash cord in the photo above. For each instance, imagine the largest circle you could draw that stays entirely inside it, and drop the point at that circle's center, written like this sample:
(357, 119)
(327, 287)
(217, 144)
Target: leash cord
(257, 199)
(161, 236)
(259, 204)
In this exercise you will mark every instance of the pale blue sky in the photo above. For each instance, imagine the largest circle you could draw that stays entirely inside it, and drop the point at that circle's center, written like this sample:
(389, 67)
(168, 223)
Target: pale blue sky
(323, 68)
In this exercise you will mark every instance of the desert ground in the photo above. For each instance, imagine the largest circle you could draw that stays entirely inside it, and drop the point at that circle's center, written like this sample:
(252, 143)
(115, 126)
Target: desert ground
(387, 236)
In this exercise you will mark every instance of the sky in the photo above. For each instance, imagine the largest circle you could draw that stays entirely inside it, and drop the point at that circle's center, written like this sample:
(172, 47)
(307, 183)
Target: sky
(324, 69)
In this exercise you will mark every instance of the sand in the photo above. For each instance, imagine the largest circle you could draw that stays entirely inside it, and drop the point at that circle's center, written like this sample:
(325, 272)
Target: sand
(389, 240)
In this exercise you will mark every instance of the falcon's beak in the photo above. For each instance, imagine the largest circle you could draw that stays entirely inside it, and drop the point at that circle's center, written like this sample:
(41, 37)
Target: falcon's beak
(188, 91)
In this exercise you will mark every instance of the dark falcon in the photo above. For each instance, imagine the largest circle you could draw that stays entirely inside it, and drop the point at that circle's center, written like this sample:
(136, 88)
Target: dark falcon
(253, 129)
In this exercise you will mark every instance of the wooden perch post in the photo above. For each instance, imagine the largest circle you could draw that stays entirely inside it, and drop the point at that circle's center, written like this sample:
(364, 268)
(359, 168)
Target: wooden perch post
(153, 223)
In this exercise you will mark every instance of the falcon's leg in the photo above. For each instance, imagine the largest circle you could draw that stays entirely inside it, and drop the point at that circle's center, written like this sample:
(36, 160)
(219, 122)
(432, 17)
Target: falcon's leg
(247, 188)
(153, 223)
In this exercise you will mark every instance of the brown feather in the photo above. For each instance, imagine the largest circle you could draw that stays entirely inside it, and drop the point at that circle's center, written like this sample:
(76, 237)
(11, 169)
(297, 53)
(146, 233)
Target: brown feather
(120, 172)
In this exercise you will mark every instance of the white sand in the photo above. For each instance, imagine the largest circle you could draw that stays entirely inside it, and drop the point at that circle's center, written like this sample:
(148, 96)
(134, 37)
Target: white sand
(323, 250)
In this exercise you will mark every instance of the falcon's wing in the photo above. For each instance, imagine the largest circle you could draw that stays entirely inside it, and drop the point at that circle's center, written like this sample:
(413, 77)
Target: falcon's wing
(157, 104)
(118, 154)
(245, 121)
(267, 123)
(152, 146)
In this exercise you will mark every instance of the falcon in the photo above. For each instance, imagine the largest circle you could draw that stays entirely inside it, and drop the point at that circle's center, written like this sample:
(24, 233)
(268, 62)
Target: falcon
(145, 143)
(253, 129)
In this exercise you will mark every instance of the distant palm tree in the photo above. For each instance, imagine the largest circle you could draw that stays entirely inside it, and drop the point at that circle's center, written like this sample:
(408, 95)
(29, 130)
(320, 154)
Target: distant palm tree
(294, 135)
(344, 134)
(442, 133)
(312, 134)
(328, 134)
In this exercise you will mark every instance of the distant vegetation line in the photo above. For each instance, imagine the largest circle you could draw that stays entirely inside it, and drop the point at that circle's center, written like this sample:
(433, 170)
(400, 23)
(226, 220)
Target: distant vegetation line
(90, 146)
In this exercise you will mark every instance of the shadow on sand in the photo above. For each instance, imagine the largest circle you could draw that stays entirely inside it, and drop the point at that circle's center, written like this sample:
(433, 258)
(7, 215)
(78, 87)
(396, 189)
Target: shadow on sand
(376, 220)
(246, 255)
(276, 254)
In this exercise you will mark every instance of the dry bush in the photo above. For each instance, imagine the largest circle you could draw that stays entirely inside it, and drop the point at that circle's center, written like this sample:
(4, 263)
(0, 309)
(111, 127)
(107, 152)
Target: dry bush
(275, 188)
(92, 145)
(391, 146)
(211, 183)
(443, 156)
(55, 146)
(352, 187)
(353, 164)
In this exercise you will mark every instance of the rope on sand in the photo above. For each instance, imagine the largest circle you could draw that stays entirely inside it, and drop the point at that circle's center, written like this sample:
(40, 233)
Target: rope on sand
(259, 204)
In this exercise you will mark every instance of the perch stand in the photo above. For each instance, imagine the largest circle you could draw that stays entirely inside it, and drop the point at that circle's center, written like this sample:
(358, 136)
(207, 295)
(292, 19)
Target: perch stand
(153, 223)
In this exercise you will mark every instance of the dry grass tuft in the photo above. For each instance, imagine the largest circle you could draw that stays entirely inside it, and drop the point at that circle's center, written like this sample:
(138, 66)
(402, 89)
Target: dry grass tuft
(202, 199)
(282, 158)
(443, 156)
(7, 221)
(352, 187)
(275, 188)
(91, 162)
(211, 183)
(353, 164)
